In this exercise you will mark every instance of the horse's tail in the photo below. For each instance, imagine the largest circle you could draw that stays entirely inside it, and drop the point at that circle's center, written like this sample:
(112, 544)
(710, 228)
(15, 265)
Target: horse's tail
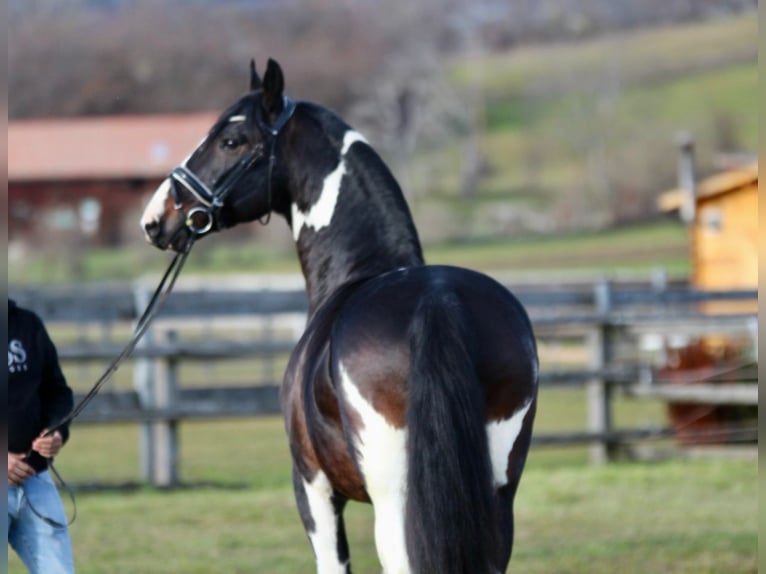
(450, 521)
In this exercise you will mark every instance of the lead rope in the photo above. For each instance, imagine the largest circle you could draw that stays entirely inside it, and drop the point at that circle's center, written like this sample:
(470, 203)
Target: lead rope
(152, 309)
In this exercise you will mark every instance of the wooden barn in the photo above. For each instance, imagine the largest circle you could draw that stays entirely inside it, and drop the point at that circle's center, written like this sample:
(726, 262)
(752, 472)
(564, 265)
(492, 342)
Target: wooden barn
(723, 217)
(87, 178)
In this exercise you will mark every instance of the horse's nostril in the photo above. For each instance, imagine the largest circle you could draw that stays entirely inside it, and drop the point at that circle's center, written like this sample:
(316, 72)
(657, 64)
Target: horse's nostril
(152, 229)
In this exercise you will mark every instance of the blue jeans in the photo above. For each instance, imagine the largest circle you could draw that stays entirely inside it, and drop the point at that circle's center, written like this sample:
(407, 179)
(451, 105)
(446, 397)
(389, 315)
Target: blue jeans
(45, 549)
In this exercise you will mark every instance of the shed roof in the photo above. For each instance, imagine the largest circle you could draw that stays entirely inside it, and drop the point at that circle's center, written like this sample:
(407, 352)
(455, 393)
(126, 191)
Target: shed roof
(719, 184)
(94, 148)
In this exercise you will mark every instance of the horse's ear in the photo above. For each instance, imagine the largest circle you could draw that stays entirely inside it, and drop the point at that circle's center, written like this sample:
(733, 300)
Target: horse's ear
(273, 88)
(255, 79)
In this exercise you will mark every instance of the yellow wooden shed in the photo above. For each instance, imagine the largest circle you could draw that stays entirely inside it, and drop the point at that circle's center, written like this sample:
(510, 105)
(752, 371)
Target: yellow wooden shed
(722, 213)
(724, 232)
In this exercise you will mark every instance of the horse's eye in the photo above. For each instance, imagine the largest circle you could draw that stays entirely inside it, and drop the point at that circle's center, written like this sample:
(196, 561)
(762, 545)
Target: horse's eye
(230, 143)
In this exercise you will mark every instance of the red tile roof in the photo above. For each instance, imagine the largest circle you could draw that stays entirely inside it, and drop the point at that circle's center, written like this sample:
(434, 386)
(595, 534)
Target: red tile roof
(112, 147)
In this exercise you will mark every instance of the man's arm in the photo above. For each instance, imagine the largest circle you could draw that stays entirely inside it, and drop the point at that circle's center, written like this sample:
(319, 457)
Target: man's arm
(55, 395)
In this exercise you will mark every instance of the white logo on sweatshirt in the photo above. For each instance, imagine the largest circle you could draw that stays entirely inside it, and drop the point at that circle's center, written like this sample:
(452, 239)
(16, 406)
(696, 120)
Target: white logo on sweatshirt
(17, 357)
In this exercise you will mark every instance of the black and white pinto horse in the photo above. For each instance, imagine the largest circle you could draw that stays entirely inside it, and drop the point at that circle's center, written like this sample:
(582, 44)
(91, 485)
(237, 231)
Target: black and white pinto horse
(414, 386)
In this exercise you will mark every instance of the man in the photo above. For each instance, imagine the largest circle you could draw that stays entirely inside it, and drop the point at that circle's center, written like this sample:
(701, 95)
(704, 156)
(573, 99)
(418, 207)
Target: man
(38, 398)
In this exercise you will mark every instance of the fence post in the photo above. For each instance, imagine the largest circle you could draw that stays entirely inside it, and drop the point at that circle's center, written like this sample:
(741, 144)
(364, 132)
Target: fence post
(599, 390)
(165, 431)
(143, 383)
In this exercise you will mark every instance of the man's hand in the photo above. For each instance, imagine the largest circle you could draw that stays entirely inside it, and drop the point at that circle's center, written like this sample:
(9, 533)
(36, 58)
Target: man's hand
(48, 446)
(18, 470)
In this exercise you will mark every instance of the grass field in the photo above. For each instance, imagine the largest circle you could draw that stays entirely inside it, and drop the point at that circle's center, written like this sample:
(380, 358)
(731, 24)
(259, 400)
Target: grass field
(238, 514)
(682, 516)
(635, 250)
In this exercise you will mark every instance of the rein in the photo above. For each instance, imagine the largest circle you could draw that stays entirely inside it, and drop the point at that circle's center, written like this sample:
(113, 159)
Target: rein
(152, 309)
(212, 199)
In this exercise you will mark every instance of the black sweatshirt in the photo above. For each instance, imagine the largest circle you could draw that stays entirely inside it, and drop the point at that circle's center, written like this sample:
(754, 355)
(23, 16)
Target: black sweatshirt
(38, 395)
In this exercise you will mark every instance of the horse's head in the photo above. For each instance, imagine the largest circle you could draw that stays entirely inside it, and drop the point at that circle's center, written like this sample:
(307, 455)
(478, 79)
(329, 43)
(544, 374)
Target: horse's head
(228, 178)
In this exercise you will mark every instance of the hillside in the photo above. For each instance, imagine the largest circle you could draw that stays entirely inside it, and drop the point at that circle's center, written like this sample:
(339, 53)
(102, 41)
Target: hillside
(574, 135)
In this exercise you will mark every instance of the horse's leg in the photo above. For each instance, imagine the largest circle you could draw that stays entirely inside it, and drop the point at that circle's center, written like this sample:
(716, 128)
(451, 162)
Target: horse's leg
(382, 457)
(505, 498)
(321, 510)
(389, 533)
(507, 492)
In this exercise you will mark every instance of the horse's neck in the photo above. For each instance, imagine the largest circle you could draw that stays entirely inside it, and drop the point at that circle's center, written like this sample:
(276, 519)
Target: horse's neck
(356, 230)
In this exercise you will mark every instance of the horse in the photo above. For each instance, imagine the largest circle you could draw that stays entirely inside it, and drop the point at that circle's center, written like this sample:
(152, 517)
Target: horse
(414, 386)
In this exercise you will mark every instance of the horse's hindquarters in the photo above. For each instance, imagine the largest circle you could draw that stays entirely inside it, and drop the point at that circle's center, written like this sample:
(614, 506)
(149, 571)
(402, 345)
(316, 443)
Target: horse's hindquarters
(371, 338)
(435, 370)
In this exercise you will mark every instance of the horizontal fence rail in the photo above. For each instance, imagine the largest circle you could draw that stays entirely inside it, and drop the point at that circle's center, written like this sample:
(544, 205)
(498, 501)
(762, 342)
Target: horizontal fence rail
(600, 315)
(202, 403)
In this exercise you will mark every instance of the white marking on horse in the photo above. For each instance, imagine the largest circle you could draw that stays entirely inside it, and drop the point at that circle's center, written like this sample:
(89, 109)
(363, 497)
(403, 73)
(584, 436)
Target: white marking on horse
(382, 457)
(502, 437)
(155, 209)
(237, 118)
(156, 206)
(320, 214)
(324, 538)
(349, 139)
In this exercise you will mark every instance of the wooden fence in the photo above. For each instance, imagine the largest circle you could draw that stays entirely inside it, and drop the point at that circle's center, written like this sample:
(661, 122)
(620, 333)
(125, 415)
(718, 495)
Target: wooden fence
(609, 317)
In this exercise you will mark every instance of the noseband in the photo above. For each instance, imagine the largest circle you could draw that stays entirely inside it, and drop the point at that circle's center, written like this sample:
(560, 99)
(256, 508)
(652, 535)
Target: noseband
(212, 198)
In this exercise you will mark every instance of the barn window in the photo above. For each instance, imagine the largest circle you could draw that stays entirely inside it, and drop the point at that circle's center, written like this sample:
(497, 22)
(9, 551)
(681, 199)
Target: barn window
(90, 213)
(712, 219)
(62, 218)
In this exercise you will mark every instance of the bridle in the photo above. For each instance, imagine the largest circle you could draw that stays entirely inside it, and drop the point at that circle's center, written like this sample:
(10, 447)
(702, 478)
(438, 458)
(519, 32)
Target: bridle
(212, 198)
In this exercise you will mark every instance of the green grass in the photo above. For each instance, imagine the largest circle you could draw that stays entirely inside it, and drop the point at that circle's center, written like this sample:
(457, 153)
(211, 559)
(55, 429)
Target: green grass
(637, 124)
(642, 248)
(639, 249)
(677, 517)
(576, 129)
(642, 55)
(682, 516)
(570, 154)
(636, 518)
(136, 259)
